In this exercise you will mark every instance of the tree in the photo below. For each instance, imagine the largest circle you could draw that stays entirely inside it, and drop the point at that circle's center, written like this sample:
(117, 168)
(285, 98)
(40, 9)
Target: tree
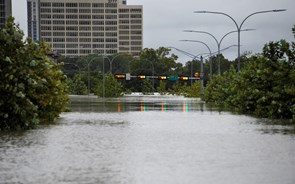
(33, 89)
(162, 88)
(264, 86)
(77, 86)
(147, 87)
(112, 87)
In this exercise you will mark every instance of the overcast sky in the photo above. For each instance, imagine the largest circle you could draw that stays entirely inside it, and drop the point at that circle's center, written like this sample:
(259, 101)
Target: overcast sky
(165, 20)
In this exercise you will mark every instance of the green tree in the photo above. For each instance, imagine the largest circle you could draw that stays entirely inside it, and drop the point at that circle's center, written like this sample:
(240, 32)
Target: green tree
(193, 91)
(112, 87)
(33, 89)
(147, 87)
(217, 89)
(162, 88)
(77, 86)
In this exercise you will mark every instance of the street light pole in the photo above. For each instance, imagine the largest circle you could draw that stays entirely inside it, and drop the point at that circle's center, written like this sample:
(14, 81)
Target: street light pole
(239, 27)
(217, 42)
(210, 59)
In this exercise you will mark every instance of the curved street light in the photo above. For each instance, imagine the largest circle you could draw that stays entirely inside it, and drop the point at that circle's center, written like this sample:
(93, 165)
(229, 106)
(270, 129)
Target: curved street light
(239, 27)
(210, 53)
(217, 42)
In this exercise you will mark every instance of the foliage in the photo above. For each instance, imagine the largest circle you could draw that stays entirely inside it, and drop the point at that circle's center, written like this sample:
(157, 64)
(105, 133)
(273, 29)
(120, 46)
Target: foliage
(33, 88)
(147, 87)
(77, 86)
(112, 87)
(162, 88)
(217, 90)
(177, 89)
(264, 86)
(193, 90)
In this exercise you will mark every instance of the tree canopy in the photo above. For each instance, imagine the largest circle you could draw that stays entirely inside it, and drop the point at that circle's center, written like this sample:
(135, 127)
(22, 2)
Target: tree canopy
(32, 88)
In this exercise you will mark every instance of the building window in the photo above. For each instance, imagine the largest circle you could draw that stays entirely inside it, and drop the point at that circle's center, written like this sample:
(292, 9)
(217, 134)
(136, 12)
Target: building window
(111, 34)
(85, 34)
(85, 39)
(45, 10)
(111, 28)
(98, 40)
(98, 34)
(136, 10)
(98, 45)
(71, 10)
(136, 16)
(114, 11)
(72, 51)
(98, 28)
(111, 5)
(111, 22)
(71, 4)
(124, 16)
(85, 11)
(73, 34)
(58, 16)
(58, 33)
(123, 10)
(97, 16)
(84, 22)
(72, 16)
(74, 22)
(72, 45)
(98, 4)
(98, 22)
(72, 39)
(97, 10)
(58, 10)
(85, 28)
(84, 5)
(45, 4)
(58, 5)
(58, 40)
(59, 28)
(85, 16)
(72, 28)
(45, 16)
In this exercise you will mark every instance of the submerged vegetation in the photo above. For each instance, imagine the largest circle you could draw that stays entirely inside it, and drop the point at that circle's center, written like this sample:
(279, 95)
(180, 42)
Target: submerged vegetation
(265, 86)
(32, 88)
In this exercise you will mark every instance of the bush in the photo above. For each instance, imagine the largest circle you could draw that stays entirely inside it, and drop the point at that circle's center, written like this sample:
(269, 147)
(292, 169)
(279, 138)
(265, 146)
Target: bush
(32, 87)
(113, 88)
(264, 86)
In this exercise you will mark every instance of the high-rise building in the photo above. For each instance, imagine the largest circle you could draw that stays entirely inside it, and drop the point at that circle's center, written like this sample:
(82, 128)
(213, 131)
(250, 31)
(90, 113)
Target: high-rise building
(82, 27)
(5, 11)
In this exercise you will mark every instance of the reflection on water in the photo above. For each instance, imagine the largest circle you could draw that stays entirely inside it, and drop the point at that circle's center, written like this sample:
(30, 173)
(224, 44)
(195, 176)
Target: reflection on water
(144, 140)
(139, 103)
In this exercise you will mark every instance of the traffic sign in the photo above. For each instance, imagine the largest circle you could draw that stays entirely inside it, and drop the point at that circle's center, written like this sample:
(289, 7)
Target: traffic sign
(173, 78)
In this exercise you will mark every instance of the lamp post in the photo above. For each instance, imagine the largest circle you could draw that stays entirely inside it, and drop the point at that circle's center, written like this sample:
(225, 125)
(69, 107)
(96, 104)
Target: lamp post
(217, 42)
(202, 67)
(239, 27)
(210, 53)
(88, 63)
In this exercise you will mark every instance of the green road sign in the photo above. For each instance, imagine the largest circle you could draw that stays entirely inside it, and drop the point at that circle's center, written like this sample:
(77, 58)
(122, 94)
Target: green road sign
(173, 78)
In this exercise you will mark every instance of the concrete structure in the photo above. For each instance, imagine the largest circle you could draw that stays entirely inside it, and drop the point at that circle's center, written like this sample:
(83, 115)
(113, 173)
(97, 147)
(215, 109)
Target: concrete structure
(5, 11)
(82, 27)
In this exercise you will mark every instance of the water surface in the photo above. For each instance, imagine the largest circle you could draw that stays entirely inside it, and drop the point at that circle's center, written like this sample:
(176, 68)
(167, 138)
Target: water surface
(150, 140)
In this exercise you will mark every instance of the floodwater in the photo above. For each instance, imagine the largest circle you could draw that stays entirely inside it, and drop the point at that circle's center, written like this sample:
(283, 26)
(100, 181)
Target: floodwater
(150, 140)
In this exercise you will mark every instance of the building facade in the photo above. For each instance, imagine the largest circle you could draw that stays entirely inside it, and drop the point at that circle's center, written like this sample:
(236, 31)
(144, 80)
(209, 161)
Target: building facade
(82, 27)
(5, 11)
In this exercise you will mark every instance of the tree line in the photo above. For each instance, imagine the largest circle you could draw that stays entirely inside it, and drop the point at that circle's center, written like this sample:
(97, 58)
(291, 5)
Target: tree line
(265, 86)
(34, 88)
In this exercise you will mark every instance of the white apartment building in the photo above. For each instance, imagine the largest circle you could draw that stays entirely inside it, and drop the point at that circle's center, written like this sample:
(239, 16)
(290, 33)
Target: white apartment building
(82, 27)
